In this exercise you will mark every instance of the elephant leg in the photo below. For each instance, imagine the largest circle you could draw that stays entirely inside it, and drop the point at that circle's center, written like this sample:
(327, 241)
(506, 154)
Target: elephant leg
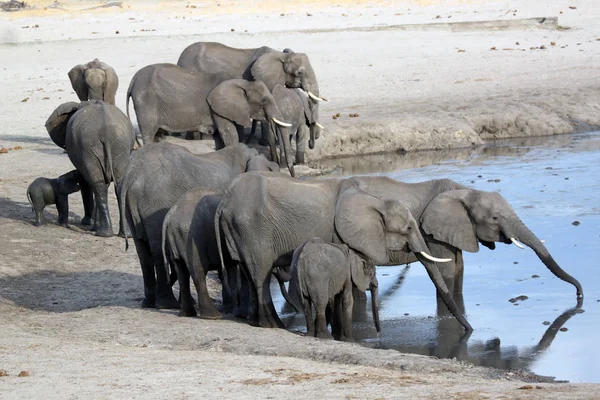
(347, 302)
(205, 304)
(39, 216)
(185, 295)
(164, 294)
(226, 130)
(321, 330)
(264, 314)
(62, 206)
(147, 265)
(244, 296)
(301, 136)
(308, 316)
(104, 226)
(334, 316)
(87, 195)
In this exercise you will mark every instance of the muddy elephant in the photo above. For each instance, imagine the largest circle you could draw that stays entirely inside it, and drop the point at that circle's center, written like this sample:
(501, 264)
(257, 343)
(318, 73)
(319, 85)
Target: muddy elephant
(288, 212)
(94, 81)
(156, 177)
(301, 113)
(324, 275)
(99, 139)
(45, 191)
(454, 218)
(273, 67)
(174, 99)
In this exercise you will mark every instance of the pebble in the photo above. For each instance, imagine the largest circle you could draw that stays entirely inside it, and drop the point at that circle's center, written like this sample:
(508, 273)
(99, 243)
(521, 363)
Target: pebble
(546, 323)
(535, 276)
(563, 329)
(575, 223)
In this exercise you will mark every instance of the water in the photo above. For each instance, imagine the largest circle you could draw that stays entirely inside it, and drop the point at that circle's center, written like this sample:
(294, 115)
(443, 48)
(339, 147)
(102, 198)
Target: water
(550, 182)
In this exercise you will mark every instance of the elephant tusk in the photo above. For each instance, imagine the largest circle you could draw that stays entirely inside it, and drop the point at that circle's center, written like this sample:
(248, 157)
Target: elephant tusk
(319, 125)
(434, 259)
(516, 243)
(278, 122)
(324, 98)
(543, 241)
(312, 96)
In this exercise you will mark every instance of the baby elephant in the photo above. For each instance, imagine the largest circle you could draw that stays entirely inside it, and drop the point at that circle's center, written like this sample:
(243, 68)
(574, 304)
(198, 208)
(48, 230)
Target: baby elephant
(45, 191)
(324, 275)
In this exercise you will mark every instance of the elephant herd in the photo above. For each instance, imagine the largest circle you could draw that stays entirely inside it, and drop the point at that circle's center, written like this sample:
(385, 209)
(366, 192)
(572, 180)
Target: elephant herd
(233, 211)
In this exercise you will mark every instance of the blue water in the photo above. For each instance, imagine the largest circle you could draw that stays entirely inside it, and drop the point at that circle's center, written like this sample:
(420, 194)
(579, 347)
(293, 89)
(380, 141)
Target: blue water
(551, 183)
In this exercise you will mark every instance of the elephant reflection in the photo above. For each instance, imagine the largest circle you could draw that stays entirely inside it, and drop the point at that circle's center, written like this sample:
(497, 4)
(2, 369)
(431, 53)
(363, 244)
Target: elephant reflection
(451, 341)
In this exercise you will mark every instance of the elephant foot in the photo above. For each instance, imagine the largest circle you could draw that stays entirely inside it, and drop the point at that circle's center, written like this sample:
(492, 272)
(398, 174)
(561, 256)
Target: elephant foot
(148, 303)
(38, 223)
(64, 225)
(104, 232)
(210, 313)
(324, 335)
(122, 234)
(346, 339)
(86, 221)
(167, 303)
(267, 323)
(241, 313)
(188, 313)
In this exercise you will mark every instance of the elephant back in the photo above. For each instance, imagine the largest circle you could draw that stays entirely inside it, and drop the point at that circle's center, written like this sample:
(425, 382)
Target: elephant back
(56, 124)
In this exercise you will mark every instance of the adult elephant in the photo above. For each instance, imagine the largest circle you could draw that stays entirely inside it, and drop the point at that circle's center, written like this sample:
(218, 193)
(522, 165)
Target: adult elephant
(265, 64)
(99, 139)
(454, 218)
(157, 176)
(94, 81)
(175, 99)
(265, 217)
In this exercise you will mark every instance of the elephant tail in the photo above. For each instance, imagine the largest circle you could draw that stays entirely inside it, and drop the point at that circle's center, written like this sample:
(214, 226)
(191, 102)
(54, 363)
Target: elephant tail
(164, 243)
(30, 201)
(129, 89)
(123, 196)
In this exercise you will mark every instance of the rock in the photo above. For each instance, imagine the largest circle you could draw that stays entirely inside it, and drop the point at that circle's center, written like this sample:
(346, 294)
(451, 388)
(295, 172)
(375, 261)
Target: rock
(3, 372)
(512, 300)
(546, 323)
(563, 329)
(522, 297)
(23, 374)
(406, 313)
(3, 150)
(535, 276)
(575, 223)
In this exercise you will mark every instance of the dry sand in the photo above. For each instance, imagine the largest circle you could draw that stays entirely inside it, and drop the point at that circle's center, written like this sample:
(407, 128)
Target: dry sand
(70, 301)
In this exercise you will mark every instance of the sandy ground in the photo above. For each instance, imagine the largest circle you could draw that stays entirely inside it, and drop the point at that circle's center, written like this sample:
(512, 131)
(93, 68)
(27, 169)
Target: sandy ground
(70, 301)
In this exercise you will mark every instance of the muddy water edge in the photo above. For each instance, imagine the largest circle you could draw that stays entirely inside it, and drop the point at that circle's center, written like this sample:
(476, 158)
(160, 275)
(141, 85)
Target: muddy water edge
(553, 183)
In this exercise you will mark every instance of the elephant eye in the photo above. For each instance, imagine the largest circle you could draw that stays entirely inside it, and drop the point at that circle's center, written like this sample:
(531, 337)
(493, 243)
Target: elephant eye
(263, 101)
(495, 218)
(300, 72)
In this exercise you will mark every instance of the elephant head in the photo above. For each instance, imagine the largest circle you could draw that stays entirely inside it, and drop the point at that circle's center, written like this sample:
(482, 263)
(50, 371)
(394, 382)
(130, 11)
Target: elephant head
(56, 124)
(240, 101)
(290, 69)
(94, 81)
(463, 218)
(260, 163)
(69, 183)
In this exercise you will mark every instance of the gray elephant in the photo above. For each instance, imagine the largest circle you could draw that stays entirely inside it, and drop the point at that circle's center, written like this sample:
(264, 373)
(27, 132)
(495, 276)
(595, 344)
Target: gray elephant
(45, 191)
(289, 212)
(174, 99)
(189, 244)
(156, 177)
(99, 139)
(325, 274)
(454, 218)
(299, 111)
(94, 81)
(287, 68)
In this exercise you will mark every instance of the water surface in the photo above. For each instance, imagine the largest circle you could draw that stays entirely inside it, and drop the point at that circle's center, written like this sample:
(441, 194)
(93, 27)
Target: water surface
(551, 183)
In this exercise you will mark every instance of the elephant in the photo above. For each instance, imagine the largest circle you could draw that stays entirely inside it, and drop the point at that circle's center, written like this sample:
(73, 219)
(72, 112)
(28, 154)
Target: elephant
(175, 99)
(156, 177)
(189, 244)
(94, 81)
(287, 212)
(299, 111)
(45, 191)
(454, 218)
(99, 139)
(287, 68)
(325, 274)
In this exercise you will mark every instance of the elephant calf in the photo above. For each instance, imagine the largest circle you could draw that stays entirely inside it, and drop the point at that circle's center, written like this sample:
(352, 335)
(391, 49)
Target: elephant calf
(323, 275)
(46, 191)
(94, 81)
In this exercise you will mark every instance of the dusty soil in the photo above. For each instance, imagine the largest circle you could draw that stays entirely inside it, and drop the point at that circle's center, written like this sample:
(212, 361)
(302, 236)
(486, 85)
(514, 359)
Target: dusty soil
(69, 301)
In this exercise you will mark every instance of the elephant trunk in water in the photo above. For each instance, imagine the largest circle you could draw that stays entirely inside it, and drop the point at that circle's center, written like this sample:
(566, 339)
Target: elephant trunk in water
(519, 231)
(375, 304)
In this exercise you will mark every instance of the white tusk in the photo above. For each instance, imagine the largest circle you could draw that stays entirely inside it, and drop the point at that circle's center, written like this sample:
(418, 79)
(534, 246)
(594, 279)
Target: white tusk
(278, 122)
(543, 241)
(519, 245)
(320, 126)
(434, 259)
(315, 98)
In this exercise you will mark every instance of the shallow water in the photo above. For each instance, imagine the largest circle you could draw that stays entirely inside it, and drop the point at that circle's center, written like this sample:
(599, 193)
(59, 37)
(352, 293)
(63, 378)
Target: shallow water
(550, 182)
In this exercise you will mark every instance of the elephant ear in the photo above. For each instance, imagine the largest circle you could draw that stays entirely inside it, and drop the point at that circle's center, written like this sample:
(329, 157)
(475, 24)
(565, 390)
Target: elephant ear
(359, 223)
(359, 271)
(230, 100)
(447, 219)
(77, 77)
(112, 84)
(56, 124)
(269, 69)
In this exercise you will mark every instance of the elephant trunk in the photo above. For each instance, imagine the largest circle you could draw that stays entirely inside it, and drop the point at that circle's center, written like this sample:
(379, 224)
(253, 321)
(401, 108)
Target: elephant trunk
(96, 80)
(374, 288)
(314, 135)
(518, 230)
(284, 140)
